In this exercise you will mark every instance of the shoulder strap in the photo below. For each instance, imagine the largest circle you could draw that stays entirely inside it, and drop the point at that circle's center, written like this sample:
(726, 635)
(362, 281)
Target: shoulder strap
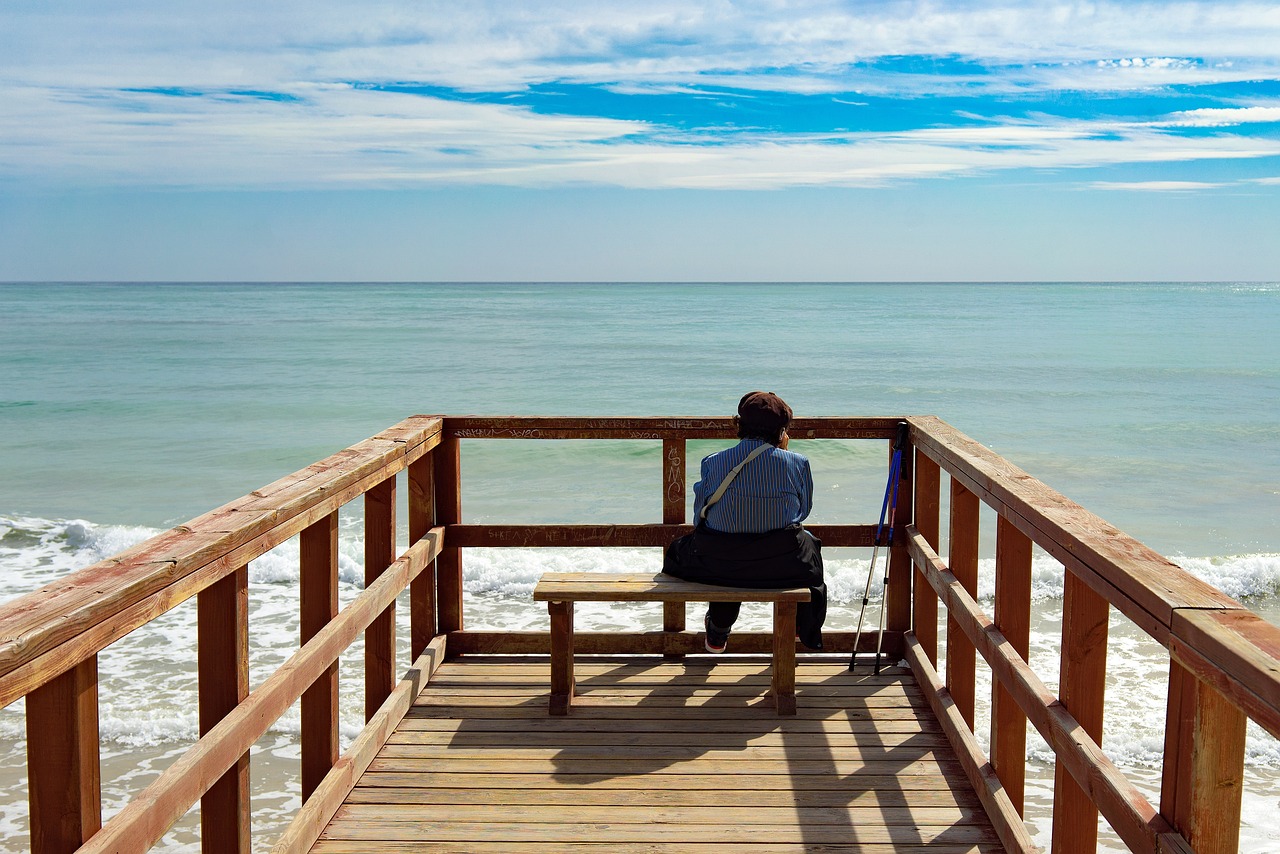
(728, 479)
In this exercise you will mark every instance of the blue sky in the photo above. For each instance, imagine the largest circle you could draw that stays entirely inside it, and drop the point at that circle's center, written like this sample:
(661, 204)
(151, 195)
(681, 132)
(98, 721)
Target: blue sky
(639, 140)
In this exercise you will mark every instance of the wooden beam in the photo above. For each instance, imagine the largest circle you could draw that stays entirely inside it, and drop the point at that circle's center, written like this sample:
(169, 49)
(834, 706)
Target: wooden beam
(897, 602)
(223, 663)
(1082, 689)
(1004, 815)
(44, 632)
(316, 812)
(560, 536)
(557, 427)
(147, 817)
(927, 515)
(1013, 619)
(1145, 586)
(380, 637)
(1203, 777)
(63, 770)
(422, 592)
(963, 561)
(318, 594)
(1125, 808)
(448, 488)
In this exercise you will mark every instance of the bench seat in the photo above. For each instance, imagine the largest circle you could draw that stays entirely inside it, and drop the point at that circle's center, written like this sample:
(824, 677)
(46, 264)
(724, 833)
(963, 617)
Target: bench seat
(561, 589)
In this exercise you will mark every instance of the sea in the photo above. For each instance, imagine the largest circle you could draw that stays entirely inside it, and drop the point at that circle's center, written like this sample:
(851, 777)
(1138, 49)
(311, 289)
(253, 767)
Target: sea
(126, 409)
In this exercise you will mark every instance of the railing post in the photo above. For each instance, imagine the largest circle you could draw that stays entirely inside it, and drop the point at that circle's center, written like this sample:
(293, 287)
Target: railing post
(318, 583)
(448, 484)
(63, 769)
(928, 481)
(673, 513)
(223, 663)
(897, 602)
(422, 590)
(962, 558)
(1082, 689)
(379, 553)
(1203, 764)
(1013, 619)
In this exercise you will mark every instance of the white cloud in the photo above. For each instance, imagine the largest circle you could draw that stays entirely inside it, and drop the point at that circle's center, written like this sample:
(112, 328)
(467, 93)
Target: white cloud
(341, 136)
(1223, 117)
(66, 115)
(1157, 186)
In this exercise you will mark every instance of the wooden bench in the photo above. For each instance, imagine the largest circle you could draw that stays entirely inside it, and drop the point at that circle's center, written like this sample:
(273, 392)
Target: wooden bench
(561, 589)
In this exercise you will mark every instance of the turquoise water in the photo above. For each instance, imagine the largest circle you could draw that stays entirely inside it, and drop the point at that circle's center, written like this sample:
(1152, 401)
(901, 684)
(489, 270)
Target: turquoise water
(1155, 405)
(125, 409)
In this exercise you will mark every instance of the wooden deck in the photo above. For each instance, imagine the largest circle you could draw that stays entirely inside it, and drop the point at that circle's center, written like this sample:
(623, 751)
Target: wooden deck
(663, 755)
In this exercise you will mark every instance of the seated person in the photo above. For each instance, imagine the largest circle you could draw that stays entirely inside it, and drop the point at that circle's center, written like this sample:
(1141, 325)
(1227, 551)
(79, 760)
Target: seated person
(748, 507)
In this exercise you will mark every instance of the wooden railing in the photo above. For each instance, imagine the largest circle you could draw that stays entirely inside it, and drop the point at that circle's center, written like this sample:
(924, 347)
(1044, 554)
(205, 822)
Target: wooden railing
(1224, 660)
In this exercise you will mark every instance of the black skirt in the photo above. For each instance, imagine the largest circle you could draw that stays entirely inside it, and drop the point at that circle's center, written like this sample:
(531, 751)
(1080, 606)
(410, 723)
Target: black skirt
(787, 557)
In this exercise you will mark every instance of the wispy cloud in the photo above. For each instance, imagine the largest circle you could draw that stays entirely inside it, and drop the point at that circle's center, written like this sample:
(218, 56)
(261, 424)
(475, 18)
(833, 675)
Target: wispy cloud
(654, 94)
(1157, 186)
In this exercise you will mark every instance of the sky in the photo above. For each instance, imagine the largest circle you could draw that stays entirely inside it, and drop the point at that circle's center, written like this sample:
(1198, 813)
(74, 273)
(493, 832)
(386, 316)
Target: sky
(666, 141)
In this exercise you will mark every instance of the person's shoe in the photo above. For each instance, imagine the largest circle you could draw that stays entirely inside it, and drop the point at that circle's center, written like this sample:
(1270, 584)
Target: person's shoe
(715, 640)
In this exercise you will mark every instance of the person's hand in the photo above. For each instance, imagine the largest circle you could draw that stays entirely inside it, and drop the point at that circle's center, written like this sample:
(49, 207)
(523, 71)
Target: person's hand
(785, 440)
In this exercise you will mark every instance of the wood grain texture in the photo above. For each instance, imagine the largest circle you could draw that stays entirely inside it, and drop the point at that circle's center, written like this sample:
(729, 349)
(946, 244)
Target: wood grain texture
(318, 605)
(223, 665)
(617, 776)
(63, 769)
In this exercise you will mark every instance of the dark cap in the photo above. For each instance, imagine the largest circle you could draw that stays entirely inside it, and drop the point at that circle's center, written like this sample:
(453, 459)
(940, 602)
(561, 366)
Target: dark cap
(763, 412)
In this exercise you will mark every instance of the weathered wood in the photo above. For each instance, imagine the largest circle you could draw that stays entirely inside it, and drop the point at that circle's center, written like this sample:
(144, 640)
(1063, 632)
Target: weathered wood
(650, 587)
(422, 591)
(1125, 808)
(380, 637)
(561, 589)
(927, 512)
(1081, 688)
(223, 663)
(146, 818)
(1013, 619)
(1238, 653)
(63, 771)
(1005, 817)
(333, 790)
(673, 513)
(784, 657)
(649, 643)
(448, 491)
(561, 656)
(557, 427)
(897, 594)
(963, 561)
(1203, 777)
(44, 632)
(1143, 585)
(347, 846)
(318, 605)
(630, 536)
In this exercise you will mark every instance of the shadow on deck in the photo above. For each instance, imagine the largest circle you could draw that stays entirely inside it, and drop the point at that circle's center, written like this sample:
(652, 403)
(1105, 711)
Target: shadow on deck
(663, 755)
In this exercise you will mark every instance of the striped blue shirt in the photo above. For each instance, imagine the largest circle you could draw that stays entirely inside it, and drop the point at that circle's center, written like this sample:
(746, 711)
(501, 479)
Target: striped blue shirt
(773, 491)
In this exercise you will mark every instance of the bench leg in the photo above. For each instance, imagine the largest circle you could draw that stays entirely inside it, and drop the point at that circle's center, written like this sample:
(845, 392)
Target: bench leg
(561, 657)
(673, 621)
(784, 657)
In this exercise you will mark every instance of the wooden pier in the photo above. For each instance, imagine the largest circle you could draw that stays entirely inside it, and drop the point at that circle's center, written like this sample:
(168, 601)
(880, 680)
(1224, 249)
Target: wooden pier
(663, 756)
(664, 747)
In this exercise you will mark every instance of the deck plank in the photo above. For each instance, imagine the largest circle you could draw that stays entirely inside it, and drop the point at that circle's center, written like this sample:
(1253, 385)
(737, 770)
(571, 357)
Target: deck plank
(659, 755)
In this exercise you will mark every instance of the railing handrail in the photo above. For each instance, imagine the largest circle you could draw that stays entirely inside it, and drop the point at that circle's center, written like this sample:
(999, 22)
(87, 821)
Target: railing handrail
(60, 625)
(1160, 597)
(56, 632)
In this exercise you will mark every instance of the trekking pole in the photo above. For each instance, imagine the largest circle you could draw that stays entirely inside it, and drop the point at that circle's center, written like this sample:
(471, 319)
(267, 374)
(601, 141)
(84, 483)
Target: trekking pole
(893, 512)
(890, 489)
